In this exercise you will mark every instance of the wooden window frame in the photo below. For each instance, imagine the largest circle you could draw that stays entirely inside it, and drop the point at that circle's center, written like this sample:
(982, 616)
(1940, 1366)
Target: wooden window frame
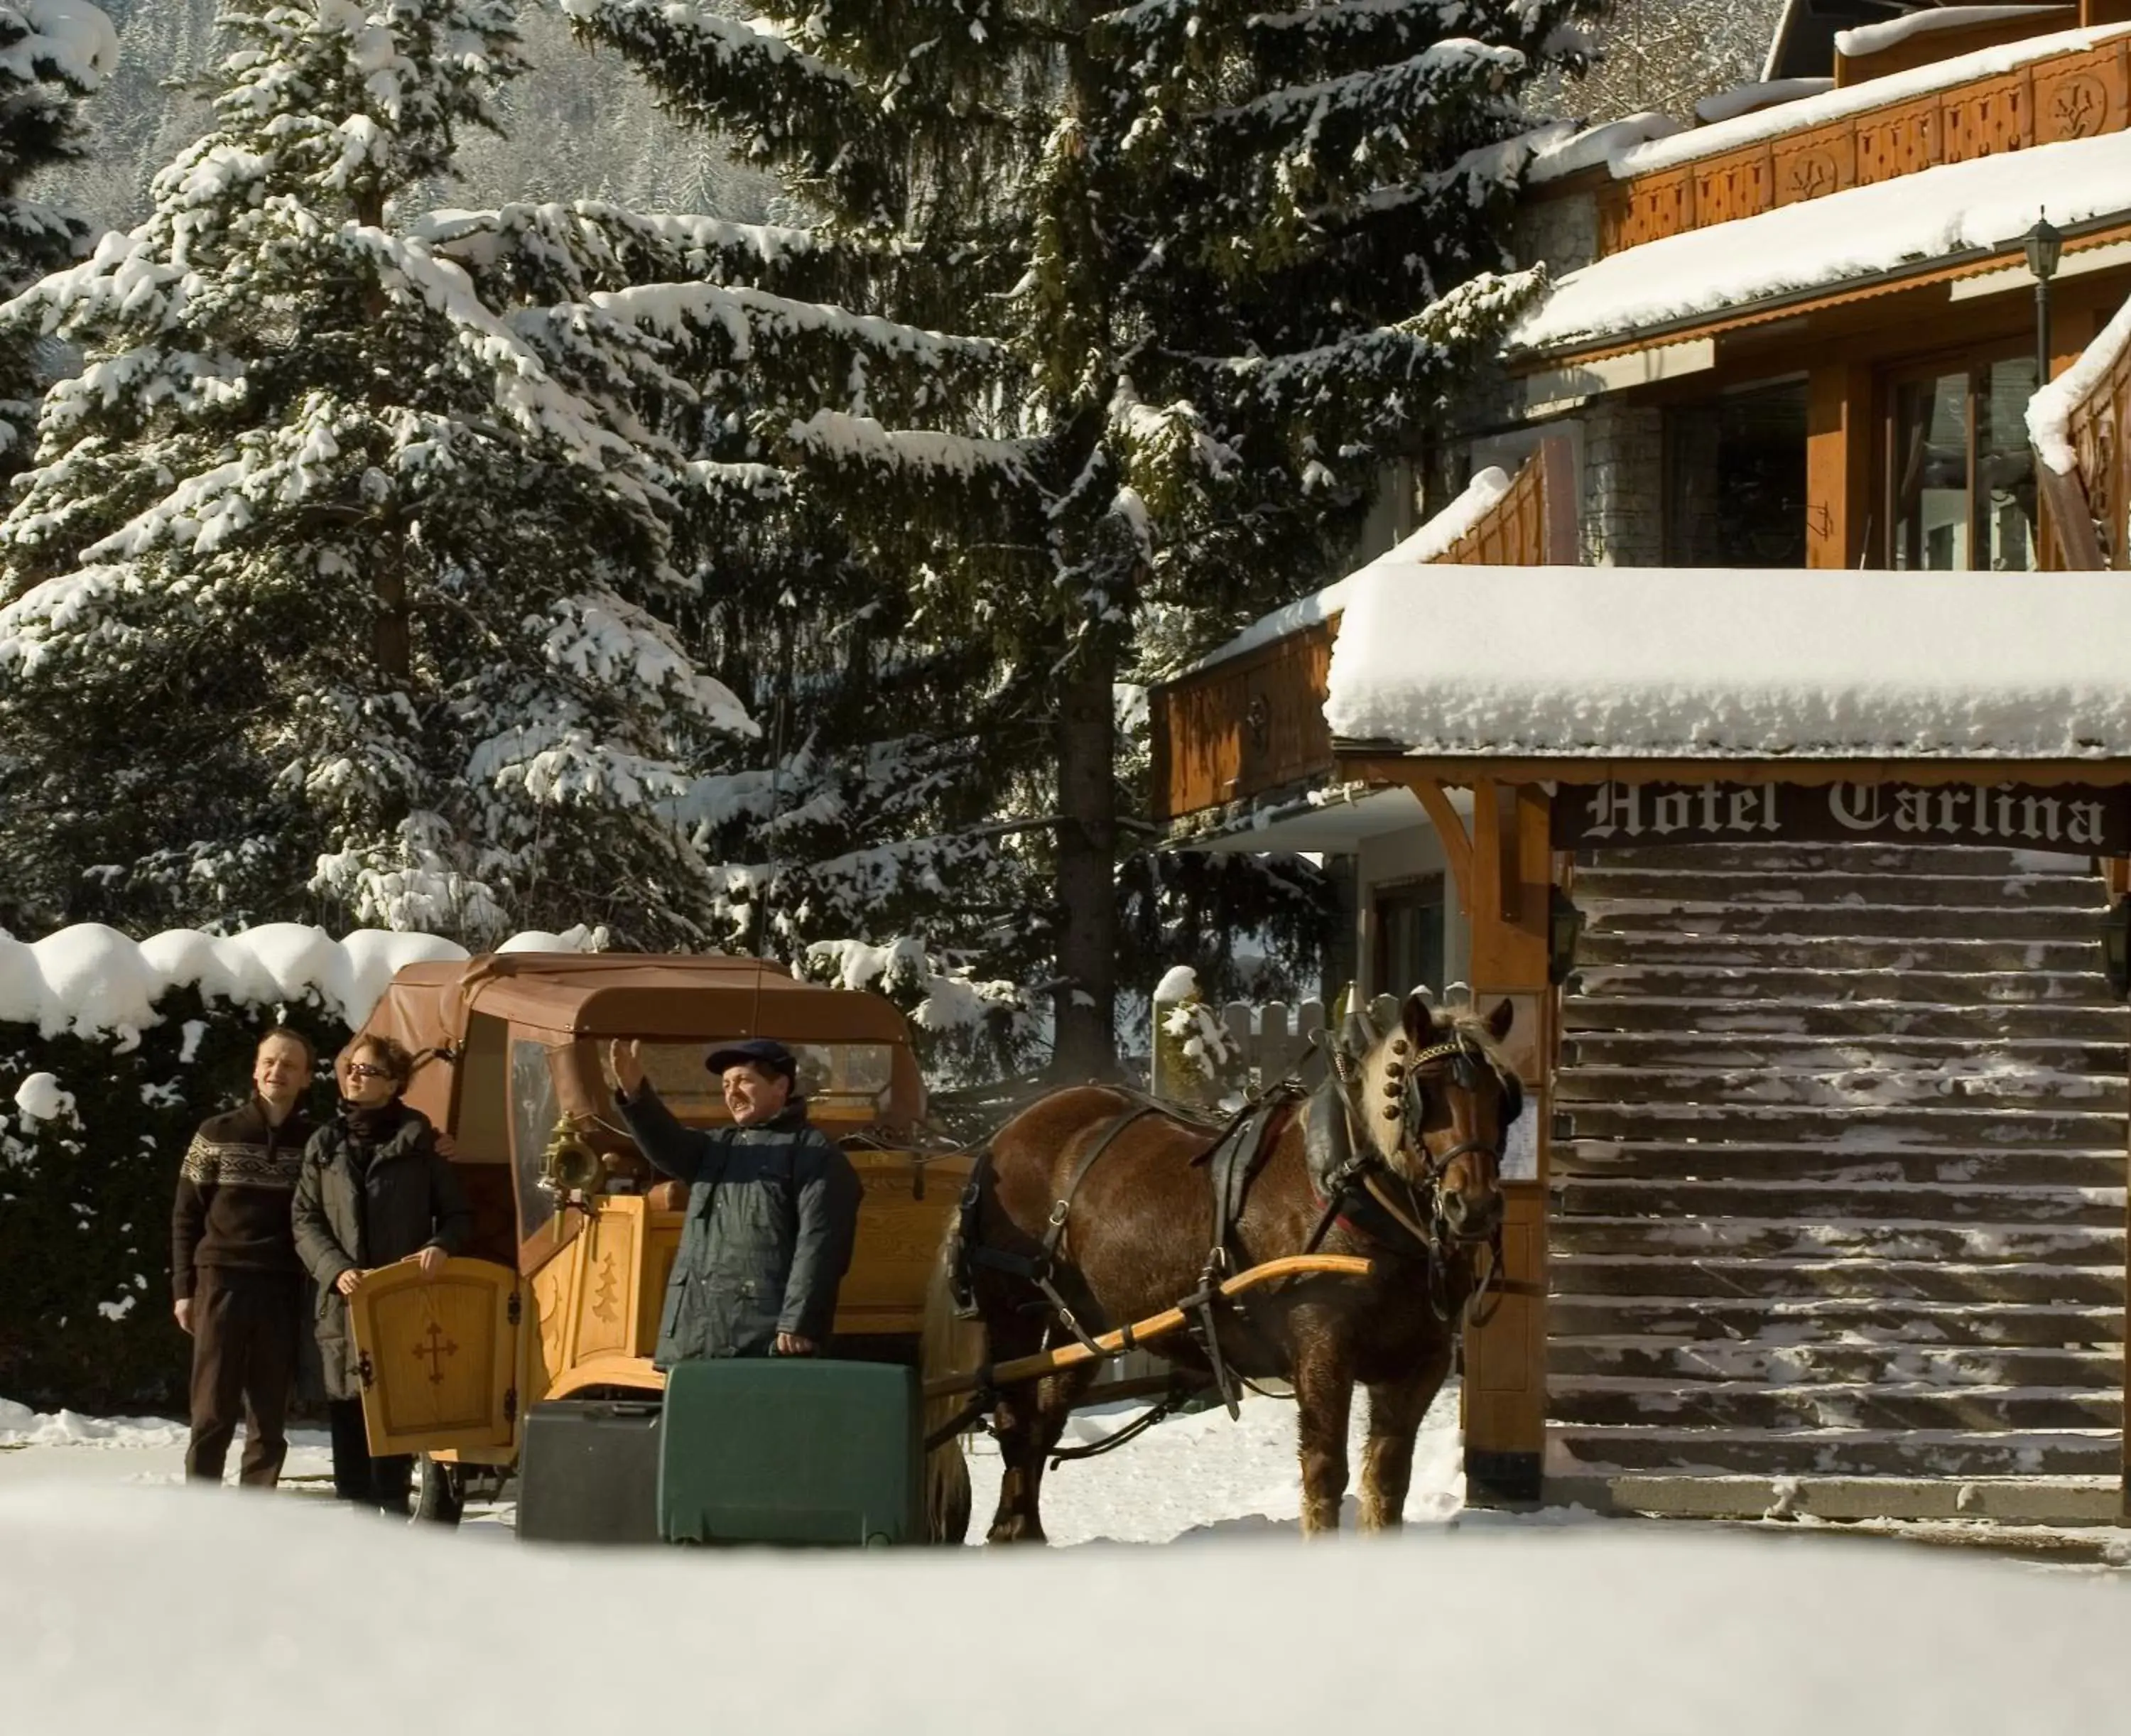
(1975, 361)
(1404, 889)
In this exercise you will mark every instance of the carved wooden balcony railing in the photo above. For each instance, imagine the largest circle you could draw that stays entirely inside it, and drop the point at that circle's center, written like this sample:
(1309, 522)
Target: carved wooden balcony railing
(2090, 510)
(1253, 724)
(2074, 95)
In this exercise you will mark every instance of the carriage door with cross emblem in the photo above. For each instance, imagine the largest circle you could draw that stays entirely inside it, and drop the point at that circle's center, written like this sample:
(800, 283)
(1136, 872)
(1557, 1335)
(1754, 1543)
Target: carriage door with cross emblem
(438, 1358)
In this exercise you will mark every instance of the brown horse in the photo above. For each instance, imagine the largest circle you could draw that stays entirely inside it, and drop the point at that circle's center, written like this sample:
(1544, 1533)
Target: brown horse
(1393, 1158)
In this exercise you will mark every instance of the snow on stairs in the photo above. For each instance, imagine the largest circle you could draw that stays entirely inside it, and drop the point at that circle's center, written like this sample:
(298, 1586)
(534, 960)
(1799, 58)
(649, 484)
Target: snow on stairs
(1838, 1173)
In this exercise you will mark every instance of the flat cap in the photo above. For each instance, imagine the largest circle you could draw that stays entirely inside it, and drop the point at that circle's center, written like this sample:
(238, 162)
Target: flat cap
(766, 1053)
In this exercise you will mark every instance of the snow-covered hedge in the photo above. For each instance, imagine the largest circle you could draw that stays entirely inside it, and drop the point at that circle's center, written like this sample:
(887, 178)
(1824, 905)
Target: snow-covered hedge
(112, 1052)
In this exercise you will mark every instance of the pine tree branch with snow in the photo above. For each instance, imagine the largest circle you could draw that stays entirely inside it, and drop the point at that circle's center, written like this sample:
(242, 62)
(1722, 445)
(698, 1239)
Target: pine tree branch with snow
(52, 54)
(1225, 263)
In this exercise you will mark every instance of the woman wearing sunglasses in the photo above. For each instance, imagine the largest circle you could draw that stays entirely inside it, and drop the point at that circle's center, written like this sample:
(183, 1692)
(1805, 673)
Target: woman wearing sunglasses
(374, 1189)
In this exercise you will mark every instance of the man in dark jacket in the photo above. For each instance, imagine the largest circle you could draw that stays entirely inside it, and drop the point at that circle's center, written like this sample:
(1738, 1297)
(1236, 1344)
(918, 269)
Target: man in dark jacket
(239, 1286)
(773, 1210)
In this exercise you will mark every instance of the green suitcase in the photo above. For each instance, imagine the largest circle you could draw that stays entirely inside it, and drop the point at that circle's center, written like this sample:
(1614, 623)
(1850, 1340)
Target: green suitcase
(790, 1450)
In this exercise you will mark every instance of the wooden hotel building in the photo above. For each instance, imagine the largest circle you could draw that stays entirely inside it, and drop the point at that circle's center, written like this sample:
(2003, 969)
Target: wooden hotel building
(1749, 717)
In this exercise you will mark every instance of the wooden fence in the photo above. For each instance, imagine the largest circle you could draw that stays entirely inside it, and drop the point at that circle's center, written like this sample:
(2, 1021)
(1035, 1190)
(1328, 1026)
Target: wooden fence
(1264, 1044)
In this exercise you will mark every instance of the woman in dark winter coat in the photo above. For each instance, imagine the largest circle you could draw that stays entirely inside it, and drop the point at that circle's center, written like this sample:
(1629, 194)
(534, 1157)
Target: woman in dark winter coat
(374, 1189)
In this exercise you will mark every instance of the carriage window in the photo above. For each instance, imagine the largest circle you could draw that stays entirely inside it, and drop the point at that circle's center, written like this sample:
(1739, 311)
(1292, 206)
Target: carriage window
(1409, 925)
(534, 1110)
(837, 1078)
(1961, 478)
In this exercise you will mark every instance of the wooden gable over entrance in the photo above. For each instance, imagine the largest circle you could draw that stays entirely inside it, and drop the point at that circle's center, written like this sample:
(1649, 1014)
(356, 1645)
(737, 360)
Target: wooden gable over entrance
(1833, 1108)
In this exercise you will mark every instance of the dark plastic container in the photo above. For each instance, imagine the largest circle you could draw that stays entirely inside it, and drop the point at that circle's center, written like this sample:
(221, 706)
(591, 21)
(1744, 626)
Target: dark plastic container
(588, 1472)
(793, 1451)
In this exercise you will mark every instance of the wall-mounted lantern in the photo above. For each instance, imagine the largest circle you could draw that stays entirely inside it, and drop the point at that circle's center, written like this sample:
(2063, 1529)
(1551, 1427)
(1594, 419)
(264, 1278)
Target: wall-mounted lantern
(2116, 948)
(1564, 927)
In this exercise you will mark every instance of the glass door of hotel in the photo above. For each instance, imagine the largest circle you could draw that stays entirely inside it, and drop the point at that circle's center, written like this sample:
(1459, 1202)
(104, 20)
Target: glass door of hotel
(1960, 475)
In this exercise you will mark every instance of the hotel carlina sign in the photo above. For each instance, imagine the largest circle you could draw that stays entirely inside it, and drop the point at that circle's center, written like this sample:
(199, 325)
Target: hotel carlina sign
(2075, 819)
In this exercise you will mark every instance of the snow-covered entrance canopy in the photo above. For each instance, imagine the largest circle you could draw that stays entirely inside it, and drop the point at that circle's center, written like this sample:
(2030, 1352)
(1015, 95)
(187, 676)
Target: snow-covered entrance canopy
(1617, 663)
(1939, 217)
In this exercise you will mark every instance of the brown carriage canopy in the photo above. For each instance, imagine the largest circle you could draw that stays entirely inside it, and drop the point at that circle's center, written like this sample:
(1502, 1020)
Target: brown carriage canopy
(656, 996)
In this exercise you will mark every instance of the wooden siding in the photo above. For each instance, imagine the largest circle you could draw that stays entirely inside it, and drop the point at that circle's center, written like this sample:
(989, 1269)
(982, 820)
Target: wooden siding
(1254, 724)
(1513, 532)
(1838, 1184)
(1245, 726)
(1928, 48)
(2070, 96)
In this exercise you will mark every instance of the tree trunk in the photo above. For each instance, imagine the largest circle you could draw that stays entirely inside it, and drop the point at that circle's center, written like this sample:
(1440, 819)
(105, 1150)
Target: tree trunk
(1086, 1003)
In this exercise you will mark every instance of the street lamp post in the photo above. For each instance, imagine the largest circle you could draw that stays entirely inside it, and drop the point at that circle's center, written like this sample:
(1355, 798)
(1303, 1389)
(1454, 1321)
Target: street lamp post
(2044, 243)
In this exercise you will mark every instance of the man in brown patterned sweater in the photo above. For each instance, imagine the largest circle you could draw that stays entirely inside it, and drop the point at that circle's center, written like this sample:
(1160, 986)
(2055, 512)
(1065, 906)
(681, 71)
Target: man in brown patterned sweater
(233, 1265)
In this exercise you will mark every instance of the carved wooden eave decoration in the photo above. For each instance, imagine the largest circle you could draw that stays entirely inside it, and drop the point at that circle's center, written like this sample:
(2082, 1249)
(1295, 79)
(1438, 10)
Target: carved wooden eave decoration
(2079, 93)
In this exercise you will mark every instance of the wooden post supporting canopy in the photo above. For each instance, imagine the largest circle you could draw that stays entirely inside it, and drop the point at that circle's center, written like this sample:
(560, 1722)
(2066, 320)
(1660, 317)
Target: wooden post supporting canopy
(1838, 465)
(1503, 871)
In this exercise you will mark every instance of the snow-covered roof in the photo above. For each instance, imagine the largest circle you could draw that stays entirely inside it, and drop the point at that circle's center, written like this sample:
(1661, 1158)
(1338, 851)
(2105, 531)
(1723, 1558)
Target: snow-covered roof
(1869, 38)
(1935, 215)
(1430, 543)
(1726, 105)
(1675, 663)
(1632, 156)
(1563, 148)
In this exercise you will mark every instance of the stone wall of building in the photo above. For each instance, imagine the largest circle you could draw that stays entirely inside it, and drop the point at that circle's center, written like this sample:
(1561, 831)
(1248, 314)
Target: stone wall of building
(1561, 232)
(1622, 519)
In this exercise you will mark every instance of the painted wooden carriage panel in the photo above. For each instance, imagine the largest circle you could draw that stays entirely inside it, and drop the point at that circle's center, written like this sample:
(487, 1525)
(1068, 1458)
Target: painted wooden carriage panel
(437, 1356)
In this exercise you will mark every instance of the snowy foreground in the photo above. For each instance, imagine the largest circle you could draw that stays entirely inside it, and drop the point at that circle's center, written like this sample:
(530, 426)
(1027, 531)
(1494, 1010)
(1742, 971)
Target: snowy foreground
(129, 1606)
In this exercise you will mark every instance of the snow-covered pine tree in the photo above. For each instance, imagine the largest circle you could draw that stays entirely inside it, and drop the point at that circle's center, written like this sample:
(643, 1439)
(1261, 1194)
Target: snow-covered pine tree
(337, 589)
(865, 808)
(52, 54)
(1225, 260)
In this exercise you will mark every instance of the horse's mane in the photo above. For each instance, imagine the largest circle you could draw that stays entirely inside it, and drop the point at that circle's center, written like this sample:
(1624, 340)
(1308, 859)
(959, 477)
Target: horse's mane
(1465, 1021)
(1462, 1023)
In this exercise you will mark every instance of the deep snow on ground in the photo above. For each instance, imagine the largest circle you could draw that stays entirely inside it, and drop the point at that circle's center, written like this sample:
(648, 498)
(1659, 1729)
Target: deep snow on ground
(1190, 1475)
(1196, 1474)
(153, 1610)
(149, 1611)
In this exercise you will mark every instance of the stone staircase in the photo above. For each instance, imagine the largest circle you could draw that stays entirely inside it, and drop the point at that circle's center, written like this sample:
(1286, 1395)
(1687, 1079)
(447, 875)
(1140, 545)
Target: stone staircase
(1838, 1223)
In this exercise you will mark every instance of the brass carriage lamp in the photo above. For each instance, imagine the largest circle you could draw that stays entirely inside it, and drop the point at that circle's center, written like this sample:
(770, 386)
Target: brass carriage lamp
(2116, 948)
(1565, 928)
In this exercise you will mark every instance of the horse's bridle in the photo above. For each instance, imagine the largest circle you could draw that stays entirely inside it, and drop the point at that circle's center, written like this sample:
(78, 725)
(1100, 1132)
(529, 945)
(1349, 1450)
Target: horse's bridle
(1465, 1060)
(1427, 1221)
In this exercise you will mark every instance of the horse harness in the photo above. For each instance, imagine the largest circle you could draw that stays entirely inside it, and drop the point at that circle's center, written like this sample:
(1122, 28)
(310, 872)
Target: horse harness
(1231, 1161)
(1357, 1187)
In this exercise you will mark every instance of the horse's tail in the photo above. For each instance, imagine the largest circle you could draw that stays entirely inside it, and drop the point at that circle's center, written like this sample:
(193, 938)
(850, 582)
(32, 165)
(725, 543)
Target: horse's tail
(950, 1343)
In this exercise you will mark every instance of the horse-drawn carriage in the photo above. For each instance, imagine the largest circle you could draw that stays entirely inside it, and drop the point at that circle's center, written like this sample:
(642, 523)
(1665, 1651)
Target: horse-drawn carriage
(557, 1297)
(1326, 1238)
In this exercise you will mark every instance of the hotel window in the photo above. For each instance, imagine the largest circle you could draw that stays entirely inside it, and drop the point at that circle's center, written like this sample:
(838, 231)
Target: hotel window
(1409, 925)
(1734, 478)
(1961, 477)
